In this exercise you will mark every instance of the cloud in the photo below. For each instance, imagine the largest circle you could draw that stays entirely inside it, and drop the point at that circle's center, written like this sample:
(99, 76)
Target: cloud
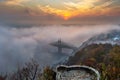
(50, 10)
(71, 9)
(19, 45)
(25, 11)
(15, 2)
(79, 8)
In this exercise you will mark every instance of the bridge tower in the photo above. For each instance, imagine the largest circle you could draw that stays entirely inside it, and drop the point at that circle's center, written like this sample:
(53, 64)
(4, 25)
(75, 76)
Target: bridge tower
(60, 45)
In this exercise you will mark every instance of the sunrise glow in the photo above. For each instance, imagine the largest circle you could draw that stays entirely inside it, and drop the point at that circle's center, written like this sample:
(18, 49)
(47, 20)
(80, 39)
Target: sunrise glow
(63, 10)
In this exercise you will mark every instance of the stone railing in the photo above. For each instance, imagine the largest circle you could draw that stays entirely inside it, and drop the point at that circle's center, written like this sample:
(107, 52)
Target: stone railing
(76, 72)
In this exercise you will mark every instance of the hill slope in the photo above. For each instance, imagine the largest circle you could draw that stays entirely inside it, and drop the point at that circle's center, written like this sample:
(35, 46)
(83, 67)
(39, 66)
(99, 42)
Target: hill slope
(104, 57)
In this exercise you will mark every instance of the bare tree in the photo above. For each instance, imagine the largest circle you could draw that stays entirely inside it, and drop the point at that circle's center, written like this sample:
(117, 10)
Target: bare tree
(29, 72)
(3, 77)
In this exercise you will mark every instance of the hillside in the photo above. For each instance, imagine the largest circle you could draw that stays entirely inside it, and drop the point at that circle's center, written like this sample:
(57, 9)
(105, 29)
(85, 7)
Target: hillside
(103, 57)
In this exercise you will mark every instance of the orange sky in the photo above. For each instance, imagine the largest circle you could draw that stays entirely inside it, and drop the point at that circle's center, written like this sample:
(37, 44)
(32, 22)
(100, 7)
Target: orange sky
(65, 9)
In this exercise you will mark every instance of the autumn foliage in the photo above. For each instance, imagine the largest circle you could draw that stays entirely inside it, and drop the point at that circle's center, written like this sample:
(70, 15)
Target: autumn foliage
(104, 57)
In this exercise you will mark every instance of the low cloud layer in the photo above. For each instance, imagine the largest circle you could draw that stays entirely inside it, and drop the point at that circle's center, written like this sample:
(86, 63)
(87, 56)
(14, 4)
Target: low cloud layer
(19, 45)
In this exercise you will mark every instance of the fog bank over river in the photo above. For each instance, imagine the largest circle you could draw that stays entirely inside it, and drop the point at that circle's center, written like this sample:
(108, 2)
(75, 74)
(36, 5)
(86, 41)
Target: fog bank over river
(19, 45)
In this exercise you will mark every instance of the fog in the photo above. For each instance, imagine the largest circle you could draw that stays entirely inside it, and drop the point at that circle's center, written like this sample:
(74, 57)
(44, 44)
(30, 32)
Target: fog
(19, 45)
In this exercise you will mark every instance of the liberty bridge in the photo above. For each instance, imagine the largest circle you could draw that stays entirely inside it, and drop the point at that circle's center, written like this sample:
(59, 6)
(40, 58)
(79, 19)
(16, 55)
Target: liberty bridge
(62, 45)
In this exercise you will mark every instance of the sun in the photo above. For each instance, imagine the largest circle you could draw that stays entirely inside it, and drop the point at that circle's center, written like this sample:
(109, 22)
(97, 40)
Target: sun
(66, 16)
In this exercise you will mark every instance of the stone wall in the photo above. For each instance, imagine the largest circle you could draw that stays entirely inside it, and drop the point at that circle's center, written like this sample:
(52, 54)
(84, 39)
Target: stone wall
(76, 72)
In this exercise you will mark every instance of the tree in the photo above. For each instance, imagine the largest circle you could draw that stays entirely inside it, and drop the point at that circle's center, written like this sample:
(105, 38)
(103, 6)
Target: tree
(114, 57)
(48, 74)
(3, 77)
(28, 72)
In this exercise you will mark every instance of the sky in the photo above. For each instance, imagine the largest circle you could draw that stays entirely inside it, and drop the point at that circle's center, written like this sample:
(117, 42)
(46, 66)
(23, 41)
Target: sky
(59, 11)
